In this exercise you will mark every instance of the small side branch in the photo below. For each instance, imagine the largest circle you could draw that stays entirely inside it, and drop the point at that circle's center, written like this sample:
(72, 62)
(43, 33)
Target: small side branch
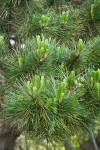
(93, 141)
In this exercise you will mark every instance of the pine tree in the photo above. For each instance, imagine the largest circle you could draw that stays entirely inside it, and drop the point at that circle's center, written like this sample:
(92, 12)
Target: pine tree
(52, 76)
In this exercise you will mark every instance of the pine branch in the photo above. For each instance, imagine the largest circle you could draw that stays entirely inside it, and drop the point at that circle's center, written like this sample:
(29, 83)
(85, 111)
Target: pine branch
(93, 141)
(74, 61)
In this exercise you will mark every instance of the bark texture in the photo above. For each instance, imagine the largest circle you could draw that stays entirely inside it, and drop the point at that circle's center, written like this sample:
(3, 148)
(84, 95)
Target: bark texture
(7, 136)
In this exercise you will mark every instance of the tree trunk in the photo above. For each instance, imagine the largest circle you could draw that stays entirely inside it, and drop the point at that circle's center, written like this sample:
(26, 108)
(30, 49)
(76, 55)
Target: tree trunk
(68, 145)
(7, 136)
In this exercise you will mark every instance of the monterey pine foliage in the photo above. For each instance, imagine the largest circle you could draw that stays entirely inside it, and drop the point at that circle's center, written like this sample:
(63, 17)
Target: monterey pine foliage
(52, 73)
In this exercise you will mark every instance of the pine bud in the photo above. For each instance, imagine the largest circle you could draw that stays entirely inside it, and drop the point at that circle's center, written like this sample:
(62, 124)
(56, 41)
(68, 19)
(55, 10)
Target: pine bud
(62, 67)
(64, 17)
(44, 20)
(80, 45)
(61, 97)
(99, 72)
(62, 87)
(41, 84)
(35, 91)
(49, 102)
(61, 91)
(95, 76)
(46, 42)
(98, 89)
(64, 83)
(43, 48)
(29, 86)
(20, 97)
(55, 108)
(95, 1)
(67, 15)
(55, 100)
(42, 80)
(20, 62)
(38, 38)
(92, 11)
(81, 87)
(37, 84)
(58, 52)
(36, 81)
(71, 78)
(92, 81)
(40, 52)
(1, 41)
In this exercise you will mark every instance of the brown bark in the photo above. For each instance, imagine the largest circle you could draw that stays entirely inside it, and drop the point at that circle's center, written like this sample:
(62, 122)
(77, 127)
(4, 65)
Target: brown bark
(68, 145)
(8, 136)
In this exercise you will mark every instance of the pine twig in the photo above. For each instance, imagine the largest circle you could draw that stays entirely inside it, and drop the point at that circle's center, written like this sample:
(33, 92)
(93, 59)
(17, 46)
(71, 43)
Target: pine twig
(93, 141)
